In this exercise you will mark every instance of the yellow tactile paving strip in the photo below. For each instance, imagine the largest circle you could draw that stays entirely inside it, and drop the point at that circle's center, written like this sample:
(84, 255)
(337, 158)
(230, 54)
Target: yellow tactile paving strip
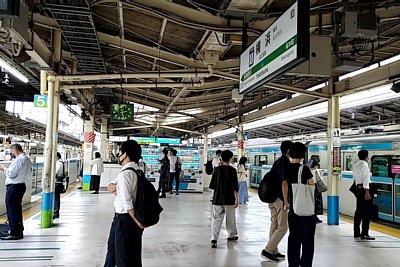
(35, 206)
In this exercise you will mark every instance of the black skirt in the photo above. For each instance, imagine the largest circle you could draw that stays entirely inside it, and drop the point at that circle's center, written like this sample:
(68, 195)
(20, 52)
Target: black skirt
(319, 207)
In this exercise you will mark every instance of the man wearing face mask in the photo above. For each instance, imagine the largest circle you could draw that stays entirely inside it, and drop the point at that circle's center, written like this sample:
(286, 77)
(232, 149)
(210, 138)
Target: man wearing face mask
(125, 240)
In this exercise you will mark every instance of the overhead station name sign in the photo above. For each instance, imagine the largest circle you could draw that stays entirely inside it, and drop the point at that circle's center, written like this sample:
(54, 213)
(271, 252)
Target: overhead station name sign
(285, 44)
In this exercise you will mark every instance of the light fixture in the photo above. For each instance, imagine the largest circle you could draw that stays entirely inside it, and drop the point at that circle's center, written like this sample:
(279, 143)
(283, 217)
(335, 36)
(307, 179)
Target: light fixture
(389, 60)
(358, 72)
(13, 71)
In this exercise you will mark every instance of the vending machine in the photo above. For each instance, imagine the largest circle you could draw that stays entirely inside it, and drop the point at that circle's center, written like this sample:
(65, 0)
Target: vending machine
(192, 172)
(151, 155)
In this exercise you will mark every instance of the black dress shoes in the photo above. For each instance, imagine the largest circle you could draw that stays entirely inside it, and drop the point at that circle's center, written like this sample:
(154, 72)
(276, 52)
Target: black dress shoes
(367, 237)
(13, 237)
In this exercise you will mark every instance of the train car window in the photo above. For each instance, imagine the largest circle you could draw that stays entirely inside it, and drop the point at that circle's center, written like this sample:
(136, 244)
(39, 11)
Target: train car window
(348, 166)
(395, 167)
(380, 166)
(261, 160)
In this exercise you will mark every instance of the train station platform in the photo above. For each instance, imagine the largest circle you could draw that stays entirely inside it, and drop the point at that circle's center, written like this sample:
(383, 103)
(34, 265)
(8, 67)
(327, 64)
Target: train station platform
(79, 237)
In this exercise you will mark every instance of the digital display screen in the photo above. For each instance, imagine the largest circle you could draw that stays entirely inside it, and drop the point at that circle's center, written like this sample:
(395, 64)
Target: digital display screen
(121, 112)
(395, 169)
(4, 4)
(9, 7)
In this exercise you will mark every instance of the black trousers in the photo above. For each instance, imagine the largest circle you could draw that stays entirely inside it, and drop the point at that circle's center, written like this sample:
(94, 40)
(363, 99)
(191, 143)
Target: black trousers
(57, 195)
(176, 176)
(110, 257)
(128, 242)
(95, 182)
(362, 213)
(14, 195)
(301, 237)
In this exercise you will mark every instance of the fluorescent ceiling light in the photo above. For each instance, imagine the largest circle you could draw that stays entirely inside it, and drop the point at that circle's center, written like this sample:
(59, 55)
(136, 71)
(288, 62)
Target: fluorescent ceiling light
(389, 60)
(358, 72)
(13, 71)
(314, 88)
(222, 133)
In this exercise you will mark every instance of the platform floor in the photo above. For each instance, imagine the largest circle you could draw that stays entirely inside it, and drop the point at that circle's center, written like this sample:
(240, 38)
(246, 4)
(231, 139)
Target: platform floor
(182, 237)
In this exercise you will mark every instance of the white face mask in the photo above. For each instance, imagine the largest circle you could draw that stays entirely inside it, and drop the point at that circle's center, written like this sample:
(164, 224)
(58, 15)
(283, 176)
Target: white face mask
(119, 159)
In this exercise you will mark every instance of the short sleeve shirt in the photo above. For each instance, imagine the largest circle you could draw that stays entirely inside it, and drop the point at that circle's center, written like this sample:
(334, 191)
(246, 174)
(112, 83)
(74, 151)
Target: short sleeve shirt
(291, 178)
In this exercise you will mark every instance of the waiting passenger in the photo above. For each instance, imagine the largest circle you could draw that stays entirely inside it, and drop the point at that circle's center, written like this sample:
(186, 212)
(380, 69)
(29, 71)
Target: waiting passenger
(242, 177)
(224, 181)
(164, 174)
(319, 205)
(59, 187)
(142, 165)
(16, 175)
(279, 215)
(362, 178)
(175, 167)
(125, 239)
(216, 161)
(301, 228)
(97, 170)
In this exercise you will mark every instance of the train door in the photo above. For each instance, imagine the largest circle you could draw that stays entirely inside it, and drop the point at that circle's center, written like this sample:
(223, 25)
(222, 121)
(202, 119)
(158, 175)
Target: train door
(395, 174)
(381, 175)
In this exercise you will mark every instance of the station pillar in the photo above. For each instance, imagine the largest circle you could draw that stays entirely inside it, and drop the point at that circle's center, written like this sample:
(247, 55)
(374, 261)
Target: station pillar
(103, 139)
(334, 160)
(240, 141)
(206, 178)
(89, 137)
(49, 173)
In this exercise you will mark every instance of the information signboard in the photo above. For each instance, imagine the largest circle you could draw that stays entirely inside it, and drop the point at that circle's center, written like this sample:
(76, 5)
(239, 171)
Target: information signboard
(285, 44)
(39, 101)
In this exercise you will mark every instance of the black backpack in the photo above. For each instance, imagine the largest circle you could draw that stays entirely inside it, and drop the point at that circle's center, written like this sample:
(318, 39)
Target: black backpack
(147, 208)
(209, 167)
(178, 166)
(266, 191)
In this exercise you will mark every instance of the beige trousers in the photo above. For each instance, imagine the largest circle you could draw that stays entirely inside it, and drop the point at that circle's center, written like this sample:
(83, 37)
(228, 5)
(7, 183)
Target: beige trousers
(218, 214)
(279, 225)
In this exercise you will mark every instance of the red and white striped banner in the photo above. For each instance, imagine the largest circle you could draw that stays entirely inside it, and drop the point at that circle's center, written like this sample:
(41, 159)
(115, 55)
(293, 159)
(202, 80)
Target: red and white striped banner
(89, 137)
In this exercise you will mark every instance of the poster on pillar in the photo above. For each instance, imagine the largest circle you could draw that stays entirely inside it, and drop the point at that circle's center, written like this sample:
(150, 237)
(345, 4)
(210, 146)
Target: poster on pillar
(336, 157)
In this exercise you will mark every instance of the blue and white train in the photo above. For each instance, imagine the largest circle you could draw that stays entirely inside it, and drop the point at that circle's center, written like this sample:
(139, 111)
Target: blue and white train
(384, 164)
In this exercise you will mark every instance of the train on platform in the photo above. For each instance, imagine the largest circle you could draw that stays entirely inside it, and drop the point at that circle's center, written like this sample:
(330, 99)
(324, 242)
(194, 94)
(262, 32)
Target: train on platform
(384, 165)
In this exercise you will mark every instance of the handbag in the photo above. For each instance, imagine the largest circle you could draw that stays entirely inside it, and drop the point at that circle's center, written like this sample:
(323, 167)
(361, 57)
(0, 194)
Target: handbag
(321, 187)
(303, 197)
(353, 188)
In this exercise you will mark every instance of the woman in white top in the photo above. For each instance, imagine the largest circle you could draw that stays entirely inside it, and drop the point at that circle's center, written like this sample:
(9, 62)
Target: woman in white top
(242, 177)
(97, 170)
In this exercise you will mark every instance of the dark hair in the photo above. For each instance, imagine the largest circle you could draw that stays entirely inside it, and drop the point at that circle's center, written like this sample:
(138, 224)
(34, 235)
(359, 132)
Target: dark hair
(174, 152)
(218, 152)
(132, 150)
(165, 151)
(58, 155)
(362, 154)
(298, 151)
(226, 155)
(97, 155)
(314, 164)
(17, 147)
(285, 146)
(242, 161)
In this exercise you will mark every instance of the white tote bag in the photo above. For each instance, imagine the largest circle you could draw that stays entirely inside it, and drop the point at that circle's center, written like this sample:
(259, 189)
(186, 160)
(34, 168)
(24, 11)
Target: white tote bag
(303, 197)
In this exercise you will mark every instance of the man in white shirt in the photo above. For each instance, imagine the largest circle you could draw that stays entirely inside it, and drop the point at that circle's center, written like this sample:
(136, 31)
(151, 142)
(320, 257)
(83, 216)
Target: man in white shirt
(60, 176)
(125, 239)
(361, 176)
(97, 170)
(216, 161)
(16, 175)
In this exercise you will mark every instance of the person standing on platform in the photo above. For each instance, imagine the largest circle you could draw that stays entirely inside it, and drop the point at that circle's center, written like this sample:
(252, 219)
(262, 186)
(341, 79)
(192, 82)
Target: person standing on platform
(242, 176)
(175, 167)
(301, 228)
(125, 239)
(97, 170)
(59, 188)
(142, 165)
(16, 175)
(279, 215)
(319, 205)
(216, 161)
(164, 174)
(362, 179)
(224, 181)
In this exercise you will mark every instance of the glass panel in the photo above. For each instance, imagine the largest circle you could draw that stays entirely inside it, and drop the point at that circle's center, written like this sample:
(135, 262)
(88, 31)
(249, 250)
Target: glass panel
(397, 197)
(380, 166)
(255, 177)
(395, 167)
(349, 163)
(261, 160)
(384, 199)
(316, 159)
